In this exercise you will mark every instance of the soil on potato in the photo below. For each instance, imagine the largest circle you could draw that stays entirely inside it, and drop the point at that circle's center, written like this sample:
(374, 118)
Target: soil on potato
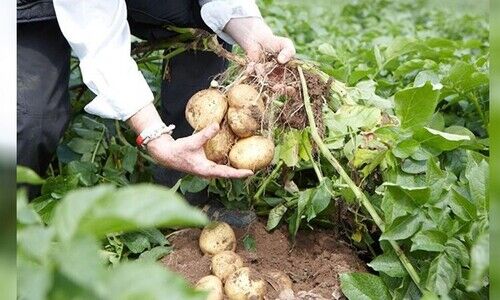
(313, 264)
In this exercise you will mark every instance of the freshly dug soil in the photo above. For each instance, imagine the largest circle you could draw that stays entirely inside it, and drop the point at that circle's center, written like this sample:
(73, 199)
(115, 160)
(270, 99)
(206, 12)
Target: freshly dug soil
(313, 263)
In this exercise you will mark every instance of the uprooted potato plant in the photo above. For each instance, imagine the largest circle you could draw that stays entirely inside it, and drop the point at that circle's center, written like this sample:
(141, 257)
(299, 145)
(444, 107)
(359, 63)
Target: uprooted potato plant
(379, 133)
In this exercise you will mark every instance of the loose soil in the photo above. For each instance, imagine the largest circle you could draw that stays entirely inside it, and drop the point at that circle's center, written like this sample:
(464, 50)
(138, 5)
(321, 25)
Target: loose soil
(313, 263)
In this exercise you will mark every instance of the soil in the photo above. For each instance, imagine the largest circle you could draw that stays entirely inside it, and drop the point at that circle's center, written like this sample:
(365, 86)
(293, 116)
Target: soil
(313, 263)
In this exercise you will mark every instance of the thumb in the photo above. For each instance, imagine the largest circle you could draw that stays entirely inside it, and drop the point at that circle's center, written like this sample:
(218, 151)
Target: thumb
(287, 51)
(201, 137)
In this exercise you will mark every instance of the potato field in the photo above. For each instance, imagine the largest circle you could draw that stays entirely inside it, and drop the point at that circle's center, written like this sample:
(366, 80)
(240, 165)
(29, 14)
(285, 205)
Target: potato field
(370, 156)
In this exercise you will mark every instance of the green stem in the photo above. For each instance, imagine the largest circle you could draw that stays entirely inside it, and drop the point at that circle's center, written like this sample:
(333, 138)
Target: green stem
(475, 101)
(354, 188)
(315, 167)
(97, 145)
(268, 179)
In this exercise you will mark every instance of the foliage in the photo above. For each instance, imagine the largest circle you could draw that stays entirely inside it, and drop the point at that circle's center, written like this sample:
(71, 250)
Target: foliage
(63, 260)
(412, 133)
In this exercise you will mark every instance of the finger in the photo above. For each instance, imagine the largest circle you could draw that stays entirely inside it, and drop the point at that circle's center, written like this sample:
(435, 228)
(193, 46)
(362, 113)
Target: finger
(200, 138)
(287, 51)
(228, 172)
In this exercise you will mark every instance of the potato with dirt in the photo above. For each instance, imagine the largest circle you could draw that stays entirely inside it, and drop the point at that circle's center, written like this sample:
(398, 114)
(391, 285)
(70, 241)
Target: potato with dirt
(206, 107)
(225, 263)
(217, 237)
(217, 148)
(245, 284)
(246, 109)
(212, 285)
(253, 153)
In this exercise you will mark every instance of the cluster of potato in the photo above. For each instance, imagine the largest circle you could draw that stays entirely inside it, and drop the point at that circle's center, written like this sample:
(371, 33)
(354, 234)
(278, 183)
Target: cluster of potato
(230, 276)
(239, 113)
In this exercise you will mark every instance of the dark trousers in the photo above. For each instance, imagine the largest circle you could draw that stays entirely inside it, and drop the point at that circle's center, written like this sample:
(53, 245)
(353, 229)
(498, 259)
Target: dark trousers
(43, 57)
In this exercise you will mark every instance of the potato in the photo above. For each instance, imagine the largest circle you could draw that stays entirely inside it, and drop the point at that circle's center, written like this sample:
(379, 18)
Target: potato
(225, 263)
(217, 237)
(242, 95)
(212, 285)
(244, 284)
(242, 123)
(253, 153)
(278, 280)
(206, 107)
(217, 148)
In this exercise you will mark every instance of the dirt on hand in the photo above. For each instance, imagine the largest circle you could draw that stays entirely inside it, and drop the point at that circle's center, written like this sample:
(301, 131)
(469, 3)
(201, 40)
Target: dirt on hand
(313, 263)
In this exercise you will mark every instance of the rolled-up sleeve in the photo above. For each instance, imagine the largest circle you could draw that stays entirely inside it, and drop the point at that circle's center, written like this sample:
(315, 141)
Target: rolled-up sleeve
(99, 35)
(217, 13)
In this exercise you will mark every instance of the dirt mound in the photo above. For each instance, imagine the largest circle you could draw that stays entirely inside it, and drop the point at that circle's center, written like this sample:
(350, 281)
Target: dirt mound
(313, 264)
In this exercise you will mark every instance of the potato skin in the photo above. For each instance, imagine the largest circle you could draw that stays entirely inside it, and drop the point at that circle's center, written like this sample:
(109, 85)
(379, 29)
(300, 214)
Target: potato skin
(243, 284)
(241, 122)
(242, 95)
(212, 285)
(253, 153)
(217, 148)
(217, 237)
(206, 107)
(225, 263)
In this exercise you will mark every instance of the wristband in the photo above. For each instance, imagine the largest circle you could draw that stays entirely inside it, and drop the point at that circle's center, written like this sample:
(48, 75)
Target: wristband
(153, 132)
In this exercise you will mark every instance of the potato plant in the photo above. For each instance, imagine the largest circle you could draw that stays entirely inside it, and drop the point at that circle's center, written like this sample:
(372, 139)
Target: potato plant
(397, 163)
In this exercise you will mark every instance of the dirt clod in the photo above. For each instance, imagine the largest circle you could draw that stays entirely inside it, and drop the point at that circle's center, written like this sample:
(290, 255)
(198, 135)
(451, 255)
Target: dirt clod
(313, 263)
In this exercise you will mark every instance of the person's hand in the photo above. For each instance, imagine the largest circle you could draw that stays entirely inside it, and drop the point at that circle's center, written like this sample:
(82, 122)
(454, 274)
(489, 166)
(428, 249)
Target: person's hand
(256, 38)
(187, 155)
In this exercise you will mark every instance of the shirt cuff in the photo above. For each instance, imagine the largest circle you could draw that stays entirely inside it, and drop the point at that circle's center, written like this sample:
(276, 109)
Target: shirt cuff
(122, 98)
(217, 13)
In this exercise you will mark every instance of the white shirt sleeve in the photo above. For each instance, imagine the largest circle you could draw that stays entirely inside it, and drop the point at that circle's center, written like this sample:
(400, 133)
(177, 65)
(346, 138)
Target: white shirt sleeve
(217, 13)
(99, 35)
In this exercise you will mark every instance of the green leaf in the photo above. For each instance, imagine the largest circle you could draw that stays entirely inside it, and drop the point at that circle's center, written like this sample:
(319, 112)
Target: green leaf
(302, 203)
(129, 158)
(26, 175)
(320, 199)
(58, 186)
(388, 263)
(480, 261)
(155, 253)
(410, 197)
(193, 184)
(402, 228)
(415, 106)
(249, 243)
(369, 158)
(464, 77)
(442, 275)
(146, 280)
(405, 148)
(349, 117)
(457, 250)
(78, 260)
(461, 206)
(429, 240)
(477, 175)
(135, 242)
(35, 242)
(363, 286)
(275, 216)
(75, 207)
(126, 209)
(86, 171)
(82, 146)
(33, 279)
(290, 147)
(412, 166)
(441, 140)
(26, 215)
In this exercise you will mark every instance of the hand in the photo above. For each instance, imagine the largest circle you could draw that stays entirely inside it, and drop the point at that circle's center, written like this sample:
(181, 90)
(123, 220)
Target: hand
(255, 37)
(187, 155)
